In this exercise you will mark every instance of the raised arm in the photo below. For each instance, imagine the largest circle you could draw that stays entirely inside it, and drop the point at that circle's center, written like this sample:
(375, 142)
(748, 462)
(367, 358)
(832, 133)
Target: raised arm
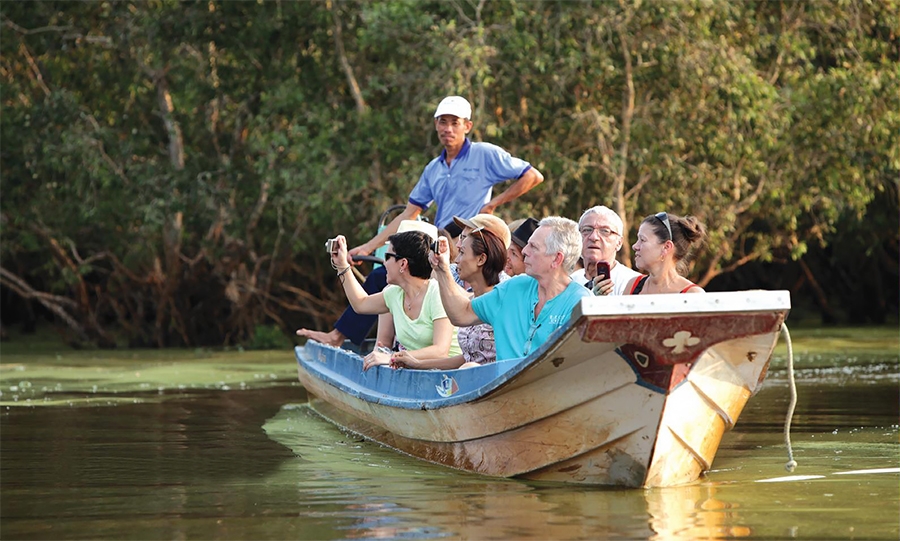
(456, 302)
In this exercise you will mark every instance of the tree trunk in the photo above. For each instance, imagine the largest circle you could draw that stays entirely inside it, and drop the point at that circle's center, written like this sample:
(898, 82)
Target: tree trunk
(627, 115)
(167, 110)
(828, 315)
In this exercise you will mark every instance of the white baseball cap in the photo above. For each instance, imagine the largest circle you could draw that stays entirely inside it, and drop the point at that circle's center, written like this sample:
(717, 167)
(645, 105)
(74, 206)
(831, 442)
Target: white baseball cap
(417, 225)
(457, 106)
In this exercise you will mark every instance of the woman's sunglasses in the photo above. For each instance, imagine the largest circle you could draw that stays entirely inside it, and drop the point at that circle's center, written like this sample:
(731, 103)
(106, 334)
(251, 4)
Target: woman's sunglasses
(479, 231)
(664, 218)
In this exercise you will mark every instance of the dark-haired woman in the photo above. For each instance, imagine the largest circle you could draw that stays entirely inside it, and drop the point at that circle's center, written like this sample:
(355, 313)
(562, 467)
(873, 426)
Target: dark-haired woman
(481, 258)
(412, 298)
(665, 245)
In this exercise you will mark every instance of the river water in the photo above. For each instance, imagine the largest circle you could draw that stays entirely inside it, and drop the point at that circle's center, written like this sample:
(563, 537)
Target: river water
(203, 445)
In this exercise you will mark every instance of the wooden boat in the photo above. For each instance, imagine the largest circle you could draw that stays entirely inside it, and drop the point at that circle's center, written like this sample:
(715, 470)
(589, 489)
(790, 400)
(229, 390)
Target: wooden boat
(635, 391)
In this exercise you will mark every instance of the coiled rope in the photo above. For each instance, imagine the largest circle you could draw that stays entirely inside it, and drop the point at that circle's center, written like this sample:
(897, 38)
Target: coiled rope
(791, 463)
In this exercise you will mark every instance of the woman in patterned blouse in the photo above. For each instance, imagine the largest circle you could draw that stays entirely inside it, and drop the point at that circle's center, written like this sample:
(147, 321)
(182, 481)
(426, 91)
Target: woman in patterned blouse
(482, 256)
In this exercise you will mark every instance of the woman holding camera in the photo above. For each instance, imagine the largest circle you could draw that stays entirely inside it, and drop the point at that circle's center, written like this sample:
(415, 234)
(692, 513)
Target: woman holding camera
(411, 297)
(664, 246)
(480, 262)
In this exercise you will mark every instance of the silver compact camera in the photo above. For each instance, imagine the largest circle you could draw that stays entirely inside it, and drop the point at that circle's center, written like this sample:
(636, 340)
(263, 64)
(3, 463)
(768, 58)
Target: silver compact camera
(331, 246)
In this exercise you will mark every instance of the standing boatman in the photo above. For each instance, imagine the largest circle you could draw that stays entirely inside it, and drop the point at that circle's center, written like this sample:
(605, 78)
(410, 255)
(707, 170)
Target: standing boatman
(459, 181)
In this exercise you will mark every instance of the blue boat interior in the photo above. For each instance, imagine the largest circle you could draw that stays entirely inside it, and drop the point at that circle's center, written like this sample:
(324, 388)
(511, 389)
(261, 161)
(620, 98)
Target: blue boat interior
(412, 389)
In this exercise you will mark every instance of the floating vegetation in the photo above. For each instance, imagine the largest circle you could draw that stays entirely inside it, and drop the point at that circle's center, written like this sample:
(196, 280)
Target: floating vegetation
(112, 377)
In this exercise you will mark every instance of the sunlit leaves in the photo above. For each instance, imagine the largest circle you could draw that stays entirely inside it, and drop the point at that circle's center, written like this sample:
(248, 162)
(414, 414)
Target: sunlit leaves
(773, 121)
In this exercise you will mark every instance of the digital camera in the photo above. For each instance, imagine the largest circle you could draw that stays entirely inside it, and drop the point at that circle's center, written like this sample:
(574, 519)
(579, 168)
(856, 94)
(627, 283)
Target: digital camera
(331, 246)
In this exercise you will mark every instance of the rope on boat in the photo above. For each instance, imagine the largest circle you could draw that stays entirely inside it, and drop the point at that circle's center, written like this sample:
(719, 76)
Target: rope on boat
(791, 463)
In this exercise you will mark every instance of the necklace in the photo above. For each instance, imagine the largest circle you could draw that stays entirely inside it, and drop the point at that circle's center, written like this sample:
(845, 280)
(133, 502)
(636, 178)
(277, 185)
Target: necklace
(409, 301)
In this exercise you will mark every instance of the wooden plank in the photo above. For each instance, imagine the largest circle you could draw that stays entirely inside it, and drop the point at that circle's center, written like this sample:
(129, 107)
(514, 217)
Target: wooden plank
(606, 422)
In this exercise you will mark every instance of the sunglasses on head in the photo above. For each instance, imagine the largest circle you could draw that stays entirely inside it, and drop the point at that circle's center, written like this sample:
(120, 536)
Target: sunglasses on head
(664, 218)
(479, 231)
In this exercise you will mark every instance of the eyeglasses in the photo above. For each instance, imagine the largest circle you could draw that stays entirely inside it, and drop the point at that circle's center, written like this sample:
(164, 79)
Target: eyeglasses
(388, 255)
(531, 332)
(664, 218)
(587, 230)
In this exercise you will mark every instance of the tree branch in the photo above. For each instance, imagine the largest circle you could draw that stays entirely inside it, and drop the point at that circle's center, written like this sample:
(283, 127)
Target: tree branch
(361, 106)
(39, 30)
(54, 303)
(102, 149)
(36, 71)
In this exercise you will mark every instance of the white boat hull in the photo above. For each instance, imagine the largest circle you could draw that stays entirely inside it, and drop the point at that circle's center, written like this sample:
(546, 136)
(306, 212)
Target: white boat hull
(637, 391)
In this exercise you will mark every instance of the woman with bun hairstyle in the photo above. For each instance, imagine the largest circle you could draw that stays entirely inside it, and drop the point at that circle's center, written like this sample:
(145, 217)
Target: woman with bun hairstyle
(665, 245)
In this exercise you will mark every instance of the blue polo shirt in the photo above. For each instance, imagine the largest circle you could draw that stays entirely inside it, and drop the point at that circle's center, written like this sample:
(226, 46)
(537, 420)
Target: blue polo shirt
(465, 186)
(509, 308)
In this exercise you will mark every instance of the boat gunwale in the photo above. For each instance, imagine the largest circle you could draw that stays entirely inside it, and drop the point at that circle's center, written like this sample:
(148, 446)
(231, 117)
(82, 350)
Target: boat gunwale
(321, 361)
(483, 380)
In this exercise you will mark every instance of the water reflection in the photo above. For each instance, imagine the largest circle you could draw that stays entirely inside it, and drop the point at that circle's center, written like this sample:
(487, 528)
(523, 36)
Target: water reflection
(392, 492)
(256, 464)
(396, 496)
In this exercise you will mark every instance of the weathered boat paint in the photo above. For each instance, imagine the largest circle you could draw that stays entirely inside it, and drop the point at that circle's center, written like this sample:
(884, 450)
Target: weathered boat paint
(634, 391)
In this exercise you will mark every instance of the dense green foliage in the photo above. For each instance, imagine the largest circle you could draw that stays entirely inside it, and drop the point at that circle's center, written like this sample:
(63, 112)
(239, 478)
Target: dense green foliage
(170, 169)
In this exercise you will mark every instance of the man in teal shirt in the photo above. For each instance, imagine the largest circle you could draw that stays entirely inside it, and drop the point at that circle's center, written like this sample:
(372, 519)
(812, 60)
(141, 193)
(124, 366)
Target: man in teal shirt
(526, 309)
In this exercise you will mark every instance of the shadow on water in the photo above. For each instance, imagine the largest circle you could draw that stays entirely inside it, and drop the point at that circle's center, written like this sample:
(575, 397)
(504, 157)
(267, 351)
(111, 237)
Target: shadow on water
(69, 471)
(168, 441)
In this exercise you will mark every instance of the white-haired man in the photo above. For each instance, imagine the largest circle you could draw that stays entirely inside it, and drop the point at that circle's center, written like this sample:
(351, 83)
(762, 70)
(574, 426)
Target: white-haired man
(526, 309)
(601, 238)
